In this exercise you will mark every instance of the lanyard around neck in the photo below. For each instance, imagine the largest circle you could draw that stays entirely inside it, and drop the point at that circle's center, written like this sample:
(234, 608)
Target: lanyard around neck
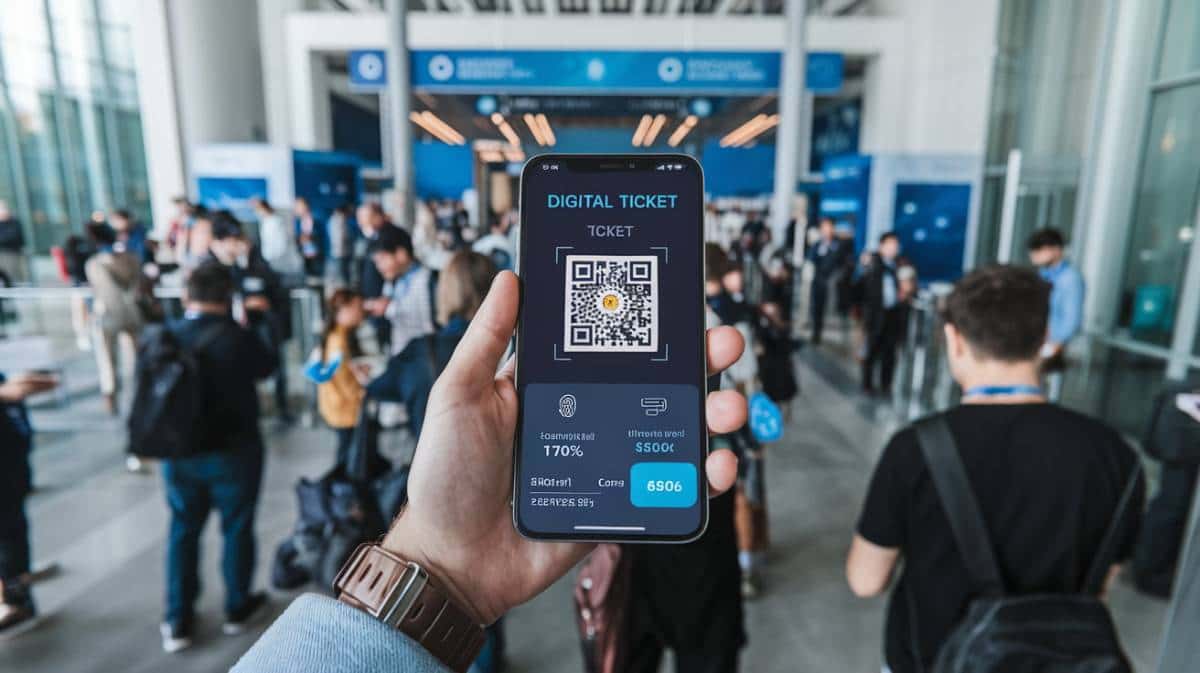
(999, 391)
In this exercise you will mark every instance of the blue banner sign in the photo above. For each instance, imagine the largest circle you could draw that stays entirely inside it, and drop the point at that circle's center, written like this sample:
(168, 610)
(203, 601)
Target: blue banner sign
(613, 72)
(368, 68)
(824, 72)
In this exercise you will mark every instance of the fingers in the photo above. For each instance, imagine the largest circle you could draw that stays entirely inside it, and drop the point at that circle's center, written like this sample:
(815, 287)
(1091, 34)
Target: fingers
(725, 346)
(726, 411)
(721, 467)
(475, 358)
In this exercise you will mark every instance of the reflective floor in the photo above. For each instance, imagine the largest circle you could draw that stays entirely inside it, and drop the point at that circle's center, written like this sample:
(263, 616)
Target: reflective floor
(106, 529)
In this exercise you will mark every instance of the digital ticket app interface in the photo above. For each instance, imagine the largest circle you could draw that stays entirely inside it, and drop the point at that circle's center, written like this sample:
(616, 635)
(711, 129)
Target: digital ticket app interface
(610, 354)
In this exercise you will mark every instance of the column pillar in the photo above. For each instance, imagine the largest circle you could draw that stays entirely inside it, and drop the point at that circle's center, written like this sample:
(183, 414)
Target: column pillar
(789, 133)
(398, 87)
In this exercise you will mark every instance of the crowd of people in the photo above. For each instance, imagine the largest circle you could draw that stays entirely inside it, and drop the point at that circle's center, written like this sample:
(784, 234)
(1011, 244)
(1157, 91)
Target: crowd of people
(405, 305)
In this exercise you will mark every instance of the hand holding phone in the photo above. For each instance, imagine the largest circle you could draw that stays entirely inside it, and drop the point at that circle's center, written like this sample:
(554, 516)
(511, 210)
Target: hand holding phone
(611, 433)
(458, 521)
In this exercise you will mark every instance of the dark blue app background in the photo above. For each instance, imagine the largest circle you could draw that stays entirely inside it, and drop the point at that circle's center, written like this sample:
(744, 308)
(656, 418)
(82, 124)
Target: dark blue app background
(610, 373)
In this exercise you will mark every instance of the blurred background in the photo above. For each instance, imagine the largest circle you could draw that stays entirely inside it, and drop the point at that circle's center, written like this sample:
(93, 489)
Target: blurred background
(962, 126)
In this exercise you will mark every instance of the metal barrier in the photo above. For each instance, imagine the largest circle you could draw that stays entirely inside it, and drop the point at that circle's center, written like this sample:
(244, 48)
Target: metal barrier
(923, 384)
(53, 322)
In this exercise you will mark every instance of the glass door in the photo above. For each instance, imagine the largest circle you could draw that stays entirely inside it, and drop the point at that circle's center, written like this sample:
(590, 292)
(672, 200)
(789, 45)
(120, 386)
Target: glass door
(1039, 192)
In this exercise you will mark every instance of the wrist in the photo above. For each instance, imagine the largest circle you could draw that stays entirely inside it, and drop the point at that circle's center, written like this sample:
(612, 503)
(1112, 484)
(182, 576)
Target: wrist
(403, 541)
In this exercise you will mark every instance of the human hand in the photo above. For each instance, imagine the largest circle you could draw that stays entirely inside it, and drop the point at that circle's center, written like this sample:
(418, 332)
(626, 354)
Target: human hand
(361, 372)
(376, 307)
(22, 386)
(256, 303)
(458, 521)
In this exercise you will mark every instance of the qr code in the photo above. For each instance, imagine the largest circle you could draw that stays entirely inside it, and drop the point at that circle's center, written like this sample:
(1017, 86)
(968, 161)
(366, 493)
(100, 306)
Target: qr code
(611, 304)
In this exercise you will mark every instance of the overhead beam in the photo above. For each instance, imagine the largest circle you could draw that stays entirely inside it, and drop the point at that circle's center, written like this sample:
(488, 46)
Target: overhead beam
(854, 36)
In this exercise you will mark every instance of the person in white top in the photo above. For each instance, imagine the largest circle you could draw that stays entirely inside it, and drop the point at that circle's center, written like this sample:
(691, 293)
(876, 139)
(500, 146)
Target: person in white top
(275, 240)
(498, 244)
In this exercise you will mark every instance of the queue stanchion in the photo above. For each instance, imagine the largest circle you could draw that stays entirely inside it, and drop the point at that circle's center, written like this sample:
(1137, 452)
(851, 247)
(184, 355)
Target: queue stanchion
(919, 334)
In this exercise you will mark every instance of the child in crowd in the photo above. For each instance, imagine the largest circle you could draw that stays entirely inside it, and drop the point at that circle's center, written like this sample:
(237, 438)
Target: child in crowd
(340, 393)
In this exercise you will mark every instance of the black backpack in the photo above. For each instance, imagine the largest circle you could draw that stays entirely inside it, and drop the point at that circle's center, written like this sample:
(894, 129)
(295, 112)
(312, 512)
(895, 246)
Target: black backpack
(1000, 633)
(164, 421)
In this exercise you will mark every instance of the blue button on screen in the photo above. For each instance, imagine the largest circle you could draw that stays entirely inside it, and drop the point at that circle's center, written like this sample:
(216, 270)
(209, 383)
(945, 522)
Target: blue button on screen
(662, 484)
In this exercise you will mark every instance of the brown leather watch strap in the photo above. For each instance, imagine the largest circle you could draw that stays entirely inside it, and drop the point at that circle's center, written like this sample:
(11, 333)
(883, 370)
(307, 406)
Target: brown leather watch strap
(400, 594)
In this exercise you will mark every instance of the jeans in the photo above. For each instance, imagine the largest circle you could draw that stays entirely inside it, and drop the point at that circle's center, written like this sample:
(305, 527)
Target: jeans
(344, 438)
(228, 482)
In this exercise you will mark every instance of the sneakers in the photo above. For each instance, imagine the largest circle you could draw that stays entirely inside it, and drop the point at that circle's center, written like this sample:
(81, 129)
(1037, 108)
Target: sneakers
(244, 618)
(135, 465)
(176, 637)
(17, 611)
(751, 586)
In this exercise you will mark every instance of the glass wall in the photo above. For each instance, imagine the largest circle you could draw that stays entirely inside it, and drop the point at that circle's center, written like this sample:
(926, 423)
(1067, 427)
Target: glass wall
(1047, 59)
(1164, 216)
(70, 135)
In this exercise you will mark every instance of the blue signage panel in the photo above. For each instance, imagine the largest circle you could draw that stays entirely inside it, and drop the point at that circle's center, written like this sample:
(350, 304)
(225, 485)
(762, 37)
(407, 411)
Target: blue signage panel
(231, 193)
(368, 68)
(824, 72)
(931, 223)
(596, 71)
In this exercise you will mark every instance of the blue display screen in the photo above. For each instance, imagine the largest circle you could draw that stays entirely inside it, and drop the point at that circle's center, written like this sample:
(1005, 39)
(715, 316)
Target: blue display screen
(610, 369)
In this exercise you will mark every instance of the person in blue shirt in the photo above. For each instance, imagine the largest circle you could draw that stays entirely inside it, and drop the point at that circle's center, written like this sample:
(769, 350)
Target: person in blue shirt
(1046, 251)
(17, 611)
(131, 235)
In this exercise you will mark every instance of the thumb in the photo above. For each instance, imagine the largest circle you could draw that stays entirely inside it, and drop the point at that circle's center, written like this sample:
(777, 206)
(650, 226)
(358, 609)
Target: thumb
(475, 359)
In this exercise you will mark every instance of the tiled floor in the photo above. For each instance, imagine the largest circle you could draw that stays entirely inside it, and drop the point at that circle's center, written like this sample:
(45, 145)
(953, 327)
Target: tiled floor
(106, 528)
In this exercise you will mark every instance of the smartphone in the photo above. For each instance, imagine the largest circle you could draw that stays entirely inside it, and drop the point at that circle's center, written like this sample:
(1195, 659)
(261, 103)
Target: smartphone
(611, 435)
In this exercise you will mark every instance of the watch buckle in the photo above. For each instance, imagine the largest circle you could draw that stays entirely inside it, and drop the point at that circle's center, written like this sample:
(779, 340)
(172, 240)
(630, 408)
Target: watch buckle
(403, 595)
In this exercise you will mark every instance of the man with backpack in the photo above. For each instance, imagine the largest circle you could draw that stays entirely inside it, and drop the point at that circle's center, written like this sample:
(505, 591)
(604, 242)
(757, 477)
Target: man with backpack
(259, 294)
(1010, 513)
(197, 410)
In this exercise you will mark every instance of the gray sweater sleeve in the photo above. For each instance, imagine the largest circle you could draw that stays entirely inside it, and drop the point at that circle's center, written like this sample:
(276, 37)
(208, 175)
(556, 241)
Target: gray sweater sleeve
(317, 634)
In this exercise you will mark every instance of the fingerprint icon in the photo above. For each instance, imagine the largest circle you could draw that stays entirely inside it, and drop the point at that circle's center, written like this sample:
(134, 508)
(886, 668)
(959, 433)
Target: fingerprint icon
(567, 405)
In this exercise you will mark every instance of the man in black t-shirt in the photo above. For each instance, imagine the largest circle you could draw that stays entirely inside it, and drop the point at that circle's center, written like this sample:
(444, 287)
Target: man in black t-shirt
(1048, 480)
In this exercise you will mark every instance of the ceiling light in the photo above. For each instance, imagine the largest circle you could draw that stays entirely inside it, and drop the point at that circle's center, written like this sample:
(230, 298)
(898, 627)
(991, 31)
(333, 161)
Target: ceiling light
(642, 127)
(654, 129)
(534, 128)
(546, 130)
(682, 130)
(750, 130)
(505, 129)
(437, 128)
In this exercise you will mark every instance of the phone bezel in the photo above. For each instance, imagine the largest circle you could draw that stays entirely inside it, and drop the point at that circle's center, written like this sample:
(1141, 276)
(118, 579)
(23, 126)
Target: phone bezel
(615, 163)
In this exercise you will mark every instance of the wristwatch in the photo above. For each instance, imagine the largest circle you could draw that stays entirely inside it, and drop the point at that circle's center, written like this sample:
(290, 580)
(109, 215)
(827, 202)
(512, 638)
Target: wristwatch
(400, 594)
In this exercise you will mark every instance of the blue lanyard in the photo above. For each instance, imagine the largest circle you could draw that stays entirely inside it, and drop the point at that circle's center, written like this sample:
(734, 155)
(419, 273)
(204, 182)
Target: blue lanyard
(996, 391)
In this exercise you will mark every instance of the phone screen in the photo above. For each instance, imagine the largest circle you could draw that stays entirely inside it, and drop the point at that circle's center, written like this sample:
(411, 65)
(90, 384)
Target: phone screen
(611, 437)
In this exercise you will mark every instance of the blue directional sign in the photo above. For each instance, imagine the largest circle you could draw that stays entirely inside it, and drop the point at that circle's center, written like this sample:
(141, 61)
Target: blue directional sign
(824, 72)
(614, 72)
(368, 68)
(594, 72)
